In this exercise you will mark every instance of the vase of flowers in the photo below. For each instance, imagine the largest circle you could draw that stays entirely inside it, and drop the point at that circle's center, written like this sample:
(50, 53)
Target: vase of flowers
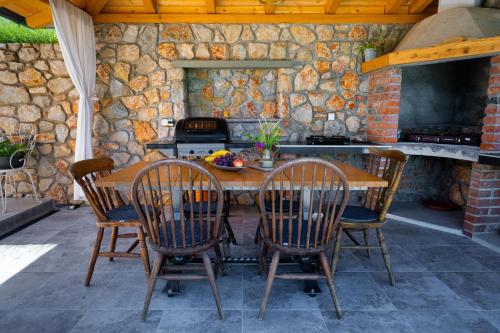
(267, 141)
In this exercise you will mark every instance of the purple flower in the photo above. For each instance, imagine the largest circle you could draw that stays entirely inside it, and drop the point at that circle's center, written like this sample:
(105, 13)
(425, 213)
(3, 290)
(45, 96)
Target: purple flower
(257, 145)
(262, 145)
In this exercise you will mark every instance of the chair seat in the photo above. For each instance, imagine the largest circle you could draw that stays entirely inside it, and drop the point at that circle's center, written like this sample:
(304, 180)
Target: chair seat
(204, 207)
(124, 213)
(268, 205)
(178, 237)
(359, 214)
(295, 229)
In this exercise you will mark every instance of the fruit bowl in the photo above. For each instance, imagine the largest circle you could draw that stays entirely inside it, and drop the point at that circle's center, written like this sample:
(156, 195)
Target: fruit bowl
(227, 168)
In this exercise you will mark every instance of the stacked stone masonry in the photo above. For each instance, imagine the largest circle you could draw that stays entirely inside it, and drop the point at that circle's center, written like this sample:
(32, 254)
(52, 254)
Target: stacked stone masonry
(137, 85)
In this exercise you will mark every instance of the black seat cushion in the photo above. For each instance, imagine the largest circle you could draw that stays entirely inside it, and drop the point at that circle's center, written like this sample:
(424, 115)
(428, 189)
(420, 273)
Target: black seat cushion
(268, 204)
(178, 237)
(204, 207)
(123, 213)
(359, 214)
(295, 229)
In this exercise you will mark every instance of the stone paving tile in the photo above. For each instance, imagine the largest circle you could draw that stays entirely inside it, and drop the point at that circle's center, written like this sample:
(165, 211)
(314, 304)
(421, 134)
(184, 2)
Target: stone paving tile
(447, 259)
(449, 322)
(197, 295)
(21, 286)
(419, 291)
(66, 291)
(285, 294)
(48, 293)
(116, 321)
(356, 291)
(493, 317)
(486, 257)
(39, 321)
(284, 321)
(199, 321)
(480, 290)
(367, 321)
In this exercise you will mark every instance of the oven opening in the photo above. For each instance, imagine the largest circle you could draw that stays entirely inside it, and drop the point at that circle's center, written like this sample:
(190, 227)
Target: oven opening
(445, 102)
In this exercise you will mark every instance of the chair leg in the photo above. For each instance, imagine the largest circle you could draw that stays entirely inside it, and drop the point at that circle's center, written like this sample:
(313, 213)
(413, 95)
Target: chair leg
(144, 251)
(269, 283)
(213, 285)
(365, 235)
(32, 185)
(385, 255)
(351, 237)
(151, 284)
(336, 251)
(133, 246)
(112, 242)
(329, 280)
(263, 259)
(220, 261)
(93, 257)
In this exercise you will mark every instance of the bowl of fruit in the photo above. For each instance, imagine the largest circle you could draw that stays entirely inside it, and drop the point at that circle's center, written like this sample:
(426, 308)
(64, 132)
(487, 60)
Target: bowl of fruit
(225, 160)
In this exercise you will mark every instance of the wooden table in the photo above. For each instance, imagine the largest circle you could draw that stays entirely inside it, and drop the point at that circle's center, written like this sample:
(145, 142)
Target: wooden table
(246, 179)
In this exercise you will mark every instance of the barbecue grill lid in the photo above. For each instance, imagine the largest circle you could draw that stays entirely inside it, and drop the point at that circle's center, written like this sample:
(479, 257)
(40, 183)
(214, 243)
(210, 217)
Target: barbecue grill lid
(201, 129)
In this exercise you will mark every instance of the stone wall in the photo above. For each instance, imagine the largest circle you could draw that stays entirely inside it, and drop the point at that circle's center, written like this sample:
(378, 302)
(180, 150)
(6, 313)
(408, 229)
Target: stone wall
(137, 85)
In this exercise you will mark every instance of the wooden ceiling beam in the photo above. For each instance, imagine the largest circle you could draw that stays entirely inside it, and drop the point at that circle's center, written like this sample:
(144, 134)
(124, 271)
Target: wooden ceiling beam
(151, 6)
(269, 9)
(210, 4)
(418, 6)
(39, 20)
(5, 2)
(392, 6)
(258, 18)
(94, 7)
(331, 6)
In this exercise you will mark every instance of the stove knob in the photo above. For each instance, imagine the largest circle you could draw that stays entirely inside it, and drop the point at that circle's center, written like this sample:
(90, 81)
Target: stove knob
(191, 152)
(210, 151)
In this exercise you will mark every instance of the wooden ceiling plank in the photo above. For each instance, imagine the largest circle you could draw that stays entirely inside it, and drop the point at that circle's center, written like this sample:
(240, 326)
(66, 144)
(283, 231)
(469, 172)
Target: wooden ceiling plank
(331, 6)
(269, 9)
(258, 18)
(210, 4)
(418, 6)
(94, 7)
(392, 6)
(443, 52)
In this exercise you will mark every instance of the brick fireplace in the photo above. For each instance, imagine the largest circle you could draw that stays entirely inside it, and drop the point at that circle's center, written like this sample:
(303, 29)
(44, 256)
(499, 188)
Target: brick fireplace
(482, 210)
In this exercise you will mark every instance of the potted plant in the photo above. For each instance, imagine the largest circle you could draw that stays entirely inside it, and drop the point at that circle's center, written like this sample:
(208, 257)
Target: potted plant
(12, 154)
(372, 46)
(267, 141)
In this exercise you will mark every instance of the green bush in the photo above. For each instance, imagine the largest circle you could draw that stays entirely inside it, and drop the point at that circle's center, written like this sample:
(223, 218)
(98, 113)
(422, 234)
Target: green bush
(11, 32)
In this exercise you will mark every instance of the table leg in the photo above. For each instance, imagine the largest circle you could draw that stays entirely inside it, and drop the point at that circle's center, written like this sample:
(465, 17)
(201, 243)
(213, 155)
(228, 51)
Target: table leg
(310, 265)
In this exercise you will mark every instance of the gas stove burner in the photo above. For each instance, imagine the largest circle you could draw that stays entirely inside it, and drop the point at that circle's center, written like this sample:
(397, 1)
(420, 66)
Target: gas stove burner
(443, 137)
(327, 140)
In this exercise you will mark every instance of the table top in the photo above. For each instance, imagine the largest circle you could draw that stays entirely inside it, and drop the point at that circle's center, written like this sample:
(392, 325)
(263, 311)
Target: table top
(246, 179)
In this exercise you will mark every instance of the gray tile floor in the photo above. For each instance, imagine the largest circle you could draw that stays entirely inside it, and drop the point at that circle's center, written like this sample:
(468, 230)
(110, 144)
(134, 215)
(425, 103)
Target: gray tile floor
(445, 283)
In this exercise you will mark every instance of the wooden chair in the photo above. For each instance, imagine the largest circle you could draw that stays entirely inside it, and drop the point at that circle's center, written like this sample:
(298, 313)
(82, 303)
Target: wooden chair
(321, 191)
(111, 213)
(388, 164)
(176, 232)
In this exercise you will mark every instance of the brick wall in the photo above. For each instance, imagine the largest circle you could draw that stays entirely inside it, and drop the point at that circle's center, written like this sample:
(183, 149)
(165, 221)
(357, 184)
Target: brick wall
(384, 94)
(483, 205)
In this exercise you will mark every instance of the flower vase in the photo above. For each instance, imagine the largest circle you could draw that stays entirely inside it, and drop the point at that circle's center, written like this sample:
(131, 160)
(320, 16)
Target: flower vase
(267, 160)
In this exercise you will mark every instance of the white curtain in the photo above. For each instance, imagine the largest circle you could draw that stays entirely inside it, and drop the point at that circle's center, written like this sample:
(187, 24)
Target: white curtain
(75, 32)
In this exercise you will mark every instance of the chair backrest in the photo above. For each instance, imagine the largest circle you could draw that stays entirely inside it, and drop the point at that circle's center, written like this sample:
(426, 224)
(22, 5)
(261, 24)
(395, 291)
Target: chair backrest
(165, 197)
(388, 164)
(321, 191)
(101, 199)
